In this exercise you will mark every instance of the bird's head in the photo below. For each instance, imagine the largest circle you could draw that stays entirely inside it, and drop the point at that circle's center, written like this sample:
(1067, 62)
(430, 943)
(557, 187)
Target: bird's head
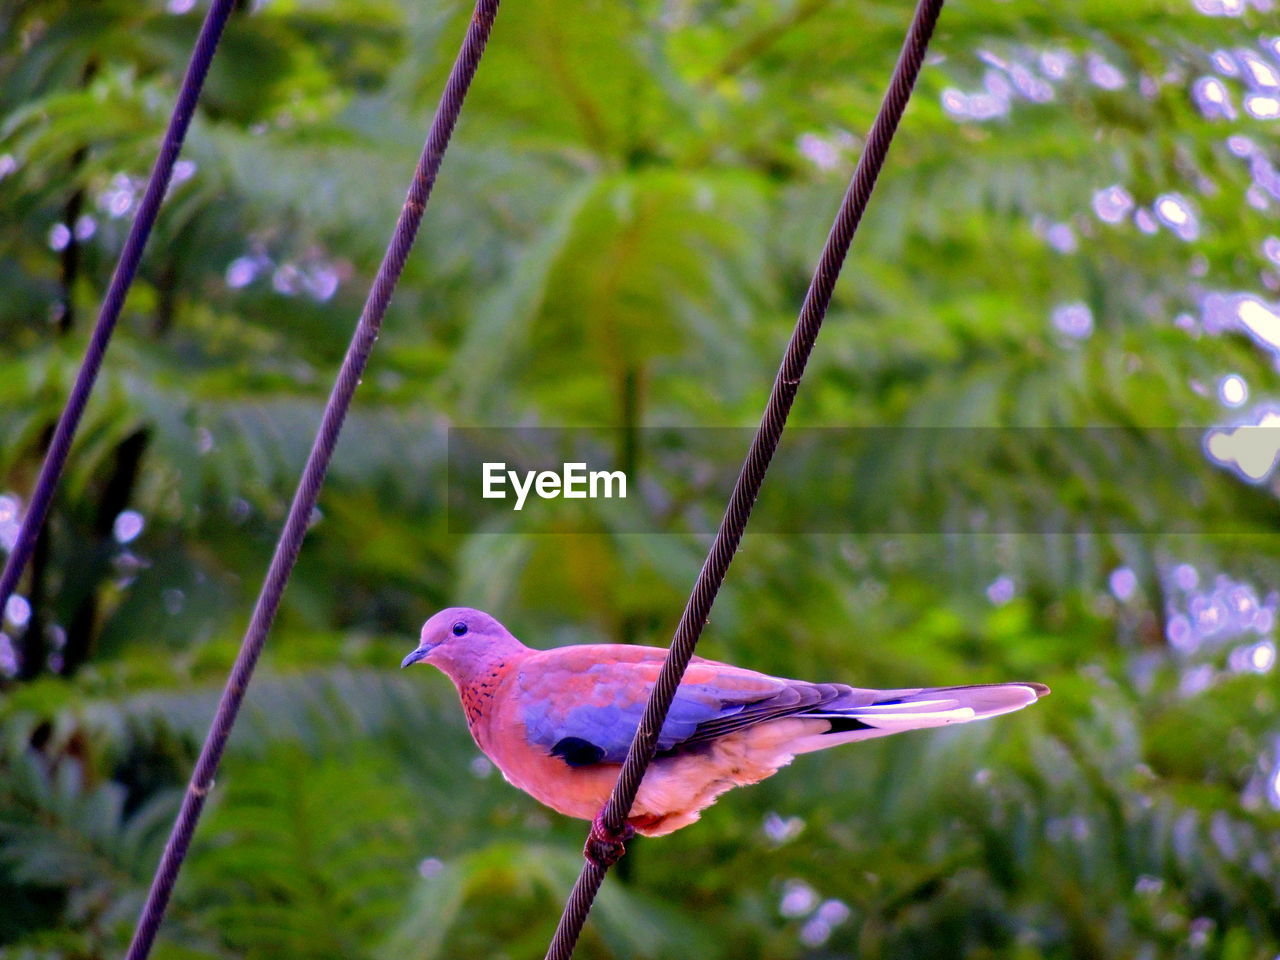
(458, 639)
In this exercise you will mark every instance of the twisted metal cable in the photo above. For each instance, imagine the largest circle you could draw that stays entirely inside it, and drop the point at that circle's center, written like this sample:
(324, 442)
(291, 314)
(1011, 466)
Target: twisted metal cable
(55, 459)
(304, 499)
(747, 487)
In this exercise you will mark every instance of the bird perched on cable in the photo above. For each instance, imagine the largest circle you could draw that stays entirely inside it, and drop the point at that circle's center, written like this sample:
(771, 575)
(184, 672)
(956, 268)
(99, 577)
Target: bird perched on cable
(558, 722)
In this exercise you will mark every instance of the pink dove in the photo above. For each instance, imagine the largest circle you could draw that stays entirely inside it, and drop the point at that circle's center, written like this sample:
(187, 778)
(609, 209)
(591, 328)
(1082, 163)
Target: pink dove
(558, 722)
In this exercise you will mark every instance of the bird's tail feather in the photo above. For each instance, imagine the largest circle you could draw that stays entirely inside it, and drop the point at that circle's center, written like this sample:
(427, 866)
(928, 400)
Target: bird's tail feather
(863, 714)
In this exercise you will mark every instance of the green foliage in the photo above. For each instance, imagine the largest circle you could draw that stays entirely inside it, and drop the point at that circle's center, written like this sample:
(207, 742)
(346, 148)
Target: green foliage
(620, 237)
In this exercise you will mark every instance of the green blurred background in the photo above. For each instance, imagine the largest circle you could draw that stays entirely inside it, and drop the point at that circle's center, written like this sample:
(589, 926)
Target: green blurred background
(1077, 227)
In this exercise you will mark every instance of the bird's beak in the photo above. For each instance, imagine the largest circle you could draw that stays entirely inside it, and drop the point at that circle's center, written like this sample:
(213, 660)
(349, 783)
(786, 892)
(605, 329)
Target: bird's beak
(414, 657)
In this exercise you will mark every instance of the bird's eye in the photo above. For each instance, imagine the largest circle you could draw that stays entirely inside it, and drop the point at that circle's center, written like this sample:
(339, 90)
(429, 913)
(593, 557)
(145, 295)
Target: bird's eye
(459, 628)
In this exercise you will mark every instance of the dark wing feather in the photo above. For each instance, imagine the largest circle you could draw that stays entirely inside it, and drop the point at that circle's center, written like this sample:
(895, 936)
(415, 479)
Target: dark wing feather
(586, 710)
(797, 697)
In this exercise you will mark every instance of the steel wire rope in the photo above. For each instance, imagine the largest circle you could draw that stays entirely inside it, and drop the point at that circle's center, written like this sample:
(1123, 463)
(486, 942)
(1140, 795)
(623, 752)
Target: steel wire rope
(55, 459)
(609, 830)
(304, 499)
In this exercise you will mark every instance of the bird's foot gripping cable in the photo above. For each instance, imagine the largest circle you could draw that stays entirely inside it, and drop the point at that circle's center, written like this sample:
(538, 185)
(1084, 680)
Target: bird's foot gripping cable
(604, 848)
